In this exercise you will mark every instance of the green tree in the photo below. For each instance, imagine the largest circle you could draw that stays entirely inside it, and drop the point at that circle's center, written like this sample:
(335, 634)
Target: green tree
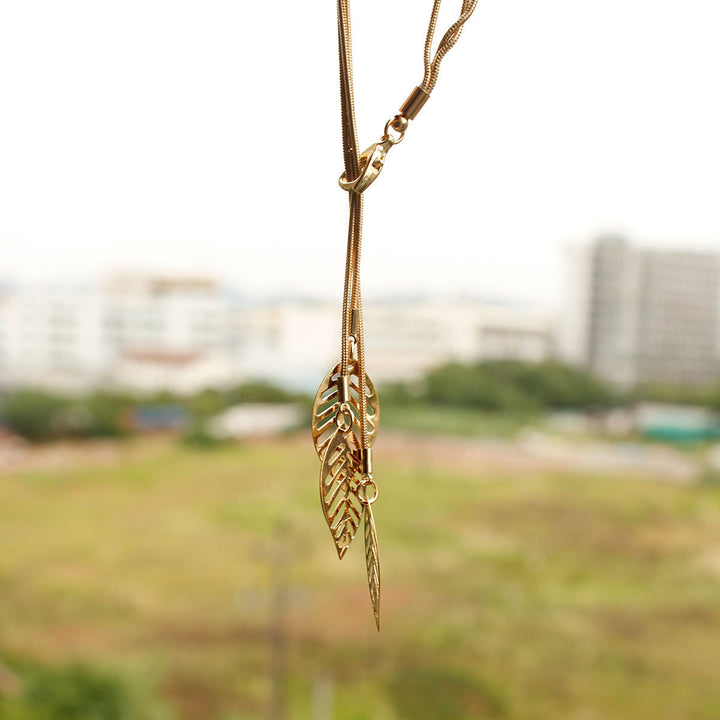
(510, 385)
(419, 693)
(33, 414)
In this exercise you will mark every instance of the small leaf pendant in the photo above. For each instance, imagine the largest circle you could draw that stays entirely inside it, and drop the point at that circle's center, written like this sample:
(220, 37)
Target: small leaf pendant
(372, 561)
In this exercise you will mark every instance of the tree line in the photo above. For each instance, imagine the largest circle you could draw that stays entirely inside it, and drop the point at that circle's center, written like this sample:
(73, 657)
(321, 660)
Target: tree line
(506, 386)
(39, 415)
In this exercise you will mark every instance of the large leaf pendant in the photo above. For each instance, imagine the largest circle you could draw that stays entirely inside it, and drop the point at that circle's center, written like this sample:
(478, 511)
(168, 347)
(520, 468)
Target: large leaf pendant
(327, 410)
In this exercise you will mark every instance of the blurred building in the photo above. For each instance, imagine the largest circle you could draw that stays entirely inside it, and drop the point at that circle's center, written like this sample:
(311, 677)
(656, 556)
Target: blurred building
(76, 338)
(183, 334)
(637, 315)
(256, 419)
(52, 338)
(406, 339)
(184, 373)
(299, 342)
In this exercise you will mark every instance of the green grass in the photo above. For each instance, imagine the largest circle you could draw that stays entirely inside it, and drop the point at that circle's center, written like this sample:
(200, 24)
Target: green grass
(526, 596)
(436, 419)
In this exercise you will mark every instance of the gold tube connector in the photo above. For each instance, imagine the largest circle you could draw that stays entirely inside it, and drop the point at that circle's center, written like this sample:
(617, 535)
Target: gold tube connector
(354, 321)
(413, 105)
(343, 386)
(366, 461)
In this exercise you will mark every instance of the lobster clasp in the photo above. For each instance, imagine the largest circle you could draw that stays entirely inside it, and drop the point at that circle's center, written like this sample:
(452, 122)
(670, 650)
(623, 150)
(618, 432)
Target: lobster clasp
(373, 159)
(371, 162)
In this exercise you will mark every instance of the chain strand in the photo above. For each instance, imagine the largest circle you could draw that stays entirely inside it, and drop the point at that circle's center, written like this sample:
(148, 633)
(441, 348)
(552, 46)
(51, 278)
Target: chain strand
(352, 296)
(360, 330)
(350, 154)
(451, 36)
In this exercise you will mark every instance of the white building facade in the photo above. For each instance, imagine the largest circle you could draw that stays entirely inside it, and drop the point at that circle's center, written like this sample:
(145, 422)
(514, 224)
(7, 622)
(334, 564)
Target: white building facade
(183, 334)
(77, 338)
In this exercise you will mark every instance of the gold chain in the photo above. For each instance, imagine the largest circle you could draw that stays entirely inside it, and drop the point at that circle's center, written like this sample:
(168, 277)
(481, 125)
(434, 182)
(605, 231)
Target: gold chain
(451, 36)
(346, 411)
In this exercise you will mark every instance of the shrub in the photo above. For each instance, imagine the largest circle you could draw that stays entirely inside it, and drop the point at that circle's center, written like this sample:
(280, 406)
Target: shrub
(78, 692)
(514, 386)
(419, 693)
(33, 414)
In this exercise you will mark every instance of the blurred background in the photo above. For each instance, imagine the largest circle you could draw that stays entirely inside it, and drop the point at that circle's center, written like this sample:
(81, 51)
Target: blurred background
(542, 276)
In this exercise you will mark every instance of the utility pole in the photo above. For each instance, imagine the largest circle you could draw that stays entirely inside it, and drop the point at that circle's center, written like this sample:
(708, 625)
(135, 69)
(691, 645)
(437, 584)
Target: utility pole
(323, 696)
(279, 599)
(11, 684)
(278, 626)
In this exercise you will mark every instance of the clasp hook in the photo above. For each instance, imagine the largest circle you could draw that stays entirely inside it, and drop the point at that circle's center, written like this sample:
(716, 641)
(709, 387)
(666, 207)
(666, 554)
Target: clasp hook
(371, 163)
(372, 160)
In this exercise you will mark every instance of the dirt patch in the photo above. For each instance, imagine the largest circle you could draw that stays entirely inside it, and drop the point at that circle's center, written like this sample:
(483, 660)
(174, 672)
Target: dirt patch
(536, 452)
(82, 453)
(635, 625)
(709, 559)
(194, 697)
(198, 635)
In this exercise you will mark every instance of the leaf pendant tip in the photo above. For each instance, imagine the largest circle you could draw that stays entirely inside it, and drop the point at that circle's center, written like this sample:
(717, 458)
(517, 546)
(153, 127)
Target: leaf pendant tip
(372, 561)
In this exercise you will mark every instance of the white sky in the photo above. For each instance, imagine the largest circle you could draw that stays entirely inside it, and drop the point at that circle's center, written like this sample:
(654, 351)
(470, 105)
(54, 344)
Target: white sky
(205, 137)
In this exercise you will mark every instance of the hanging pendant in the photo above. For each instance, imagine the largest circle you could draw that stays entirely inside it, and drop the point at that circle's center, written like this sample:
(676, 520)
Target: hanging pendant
(340, 481)
(336, 431)
(346, 412)
(328, 413)
(372, 559)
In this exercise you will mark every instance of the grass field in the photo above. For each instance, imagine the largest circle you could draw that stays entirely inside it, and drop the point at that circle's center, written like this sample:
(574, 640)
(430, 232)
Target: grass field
(525, 596)
(466, 422)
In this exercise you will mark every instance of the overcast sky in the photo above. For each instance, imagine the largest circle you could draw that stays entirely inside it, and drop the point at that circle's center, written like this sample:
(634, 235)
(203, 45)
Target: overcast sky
(204, 137)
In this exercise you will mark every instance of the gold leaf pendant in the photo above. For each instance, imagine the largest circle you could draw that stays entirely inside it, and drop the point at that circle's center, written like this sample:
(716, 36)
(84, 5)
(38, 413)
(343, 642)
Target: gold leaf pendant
(328, 403)
(347, 489)
(372, 561)
(346, 411)
(340, 481)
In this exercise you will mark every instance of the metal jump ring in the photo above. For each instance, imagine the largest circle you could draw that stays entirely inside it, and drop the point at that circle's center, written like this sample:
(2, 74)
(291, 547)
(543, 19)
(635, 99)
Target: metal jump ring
(363, 496)
(399, 125)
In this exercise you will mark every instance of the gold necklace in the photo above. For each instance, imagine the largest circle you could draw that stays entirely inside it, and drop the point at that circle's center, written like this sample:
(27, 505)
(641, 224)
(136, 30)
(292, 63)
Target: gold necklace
(346, 411)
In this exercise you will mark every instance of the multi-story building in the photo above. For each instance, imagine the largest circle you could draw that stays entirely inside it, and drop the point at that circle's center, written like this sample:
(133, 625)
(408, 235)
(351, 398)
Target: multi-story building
(184, 334)
(639, 315)
(406, 339)
(74, 338)
(678, 332)
(52, 338)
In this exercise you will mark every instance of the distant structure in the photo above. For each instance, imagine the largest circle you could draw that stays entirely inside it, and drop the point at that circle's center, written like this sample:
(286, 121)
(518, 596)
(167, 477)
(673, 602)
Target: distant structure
(298, 342)
(151, 334)
(641, 315)
(144, 333)
(405, 339)
(256, 420)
